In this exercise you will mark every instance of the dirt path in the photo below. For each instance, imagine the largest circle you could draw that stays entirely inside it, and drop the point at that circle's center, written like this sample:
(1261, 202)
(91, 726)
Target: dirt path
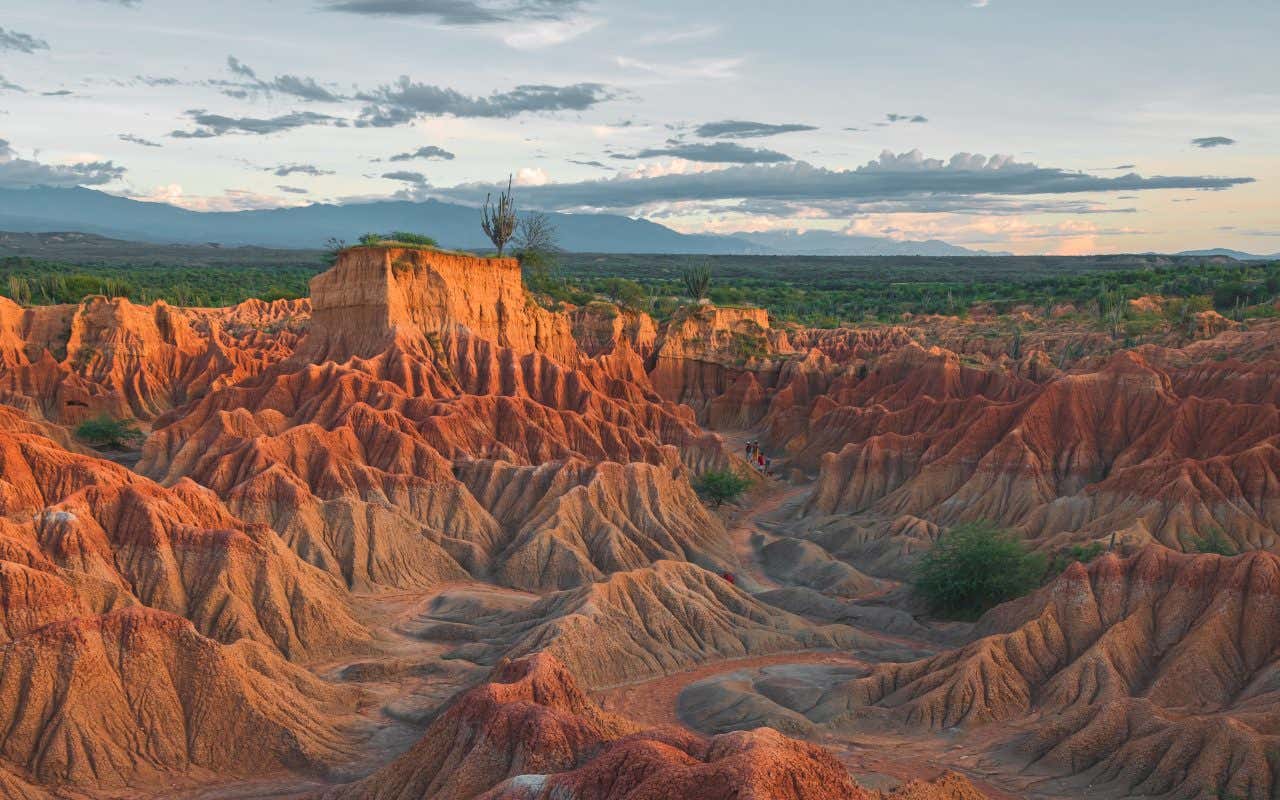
(653, 702)
(764, 501)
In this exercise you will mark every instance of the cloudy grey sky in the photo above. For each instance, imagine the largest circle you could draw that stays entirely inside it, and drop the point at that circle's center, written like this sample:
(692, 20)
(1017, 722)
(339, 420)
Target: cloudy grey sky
(1026, 125)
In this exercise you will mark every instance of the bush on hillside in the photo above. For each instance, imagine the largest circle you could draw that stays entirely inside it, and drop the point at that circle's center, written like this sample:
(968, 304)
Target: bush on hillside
(974, 567)
(1215, 542)
(721, 486)
(106, 431)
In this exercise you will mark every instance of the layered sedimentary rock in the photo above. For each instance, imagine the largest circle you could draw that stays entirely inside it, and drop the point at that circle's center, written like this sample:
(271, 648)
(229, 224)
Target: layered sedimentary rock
(1160, 445)
(418, 361)
(111, 700)
(638, 624)
(70, 363)
(112, 538)
(531, 733)
(1154, 675)
(718, 361)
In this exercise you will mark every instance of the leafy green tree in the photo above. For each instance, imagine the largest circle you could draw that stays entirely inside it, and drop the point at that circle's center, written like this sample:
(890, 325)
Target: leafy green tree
(371, 240)
(721, 486)
(974, 567)
(624, 292)
(106, 431)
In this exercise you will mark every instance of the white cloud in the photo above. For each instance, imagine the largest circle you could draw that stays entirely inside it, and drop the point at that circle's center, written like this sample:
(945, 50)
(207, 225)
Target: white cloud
(695, 69)
(549, 33)
(532, 176)
(229, 200)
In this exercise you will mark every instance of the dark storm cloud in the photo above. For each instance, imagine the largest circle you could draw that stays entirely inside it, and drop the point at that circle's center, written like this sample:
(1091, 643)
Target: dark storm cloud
(211, 125)
(285, 170)
(129, 137)
(892, 177)
(1206, 142)
(429, 151)
(406, 100)
(742, 129)
(461, 12)
(57, 93)
(22, 173)
(717, 153)
(21, 42)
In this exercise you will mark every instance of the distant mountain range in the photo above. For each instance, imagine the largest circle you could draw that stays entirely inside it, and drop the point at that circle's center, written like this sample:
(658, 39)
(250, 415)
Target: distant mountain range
(831, 243)
(88, 211)
(1236, 254)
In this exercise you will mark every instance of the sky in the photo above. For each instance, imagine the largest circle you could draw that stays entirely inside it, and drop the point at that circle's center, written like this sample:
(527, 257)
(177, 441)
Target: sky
(1029, 126)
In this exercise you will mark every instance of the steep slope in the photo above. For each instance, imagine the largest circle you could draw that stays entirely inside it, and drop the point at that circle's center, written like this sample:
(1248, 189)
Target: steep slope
(415, 361)
(637, 624)
(532, 733)
(136, 694)
(1154, 675)
(112, 538)
(70, 363)
(1165, 445)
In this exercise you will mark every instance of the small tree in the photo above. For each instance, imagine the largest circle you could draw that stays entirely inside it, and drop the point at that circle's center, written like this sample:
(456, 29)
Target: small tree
(499, 220)
(106, 431)
(721, 486)
(697, 281)
(624, 292)
(537, 247)
(974, 567)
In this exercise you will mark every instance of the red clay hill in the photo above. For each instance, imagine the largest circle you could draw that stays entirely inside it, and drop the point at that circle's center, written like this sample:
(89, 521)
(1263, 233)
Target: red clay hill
(411, 537)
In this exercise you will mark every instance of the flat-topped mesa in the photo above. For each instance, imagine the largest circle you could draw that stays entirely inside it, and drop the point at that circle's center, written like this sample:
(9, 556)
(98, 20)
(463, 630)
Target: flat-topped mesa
(374, 297)
(707, 353)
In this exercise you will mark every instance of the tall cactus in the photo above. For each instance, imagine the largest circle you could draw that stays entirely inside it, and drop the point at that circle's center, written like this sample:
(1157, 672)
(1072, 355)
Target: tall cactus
(499, 221)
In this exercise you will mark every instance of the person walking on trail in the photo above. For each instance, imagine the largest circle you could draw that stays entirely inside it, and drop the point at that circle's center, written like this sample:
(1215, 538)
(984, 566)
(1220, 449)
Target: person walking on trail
(768, 466)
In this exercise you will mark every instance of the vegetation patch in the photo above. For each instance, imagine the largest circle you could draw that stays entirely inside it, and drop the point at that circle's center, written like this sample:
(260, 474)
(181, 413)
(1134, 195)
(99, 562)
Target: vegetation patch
(974, 567)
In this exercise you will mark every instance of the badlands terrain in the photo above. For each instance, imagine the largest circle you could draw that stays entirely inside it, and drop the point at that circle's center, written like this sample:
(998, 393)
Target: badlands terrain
(418, 536)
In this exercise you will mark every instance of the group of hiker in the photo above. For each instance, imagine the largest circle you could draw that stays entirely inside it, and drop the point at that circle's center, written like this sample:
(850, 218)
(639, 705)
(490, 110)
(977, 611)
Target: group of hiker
(757, 458)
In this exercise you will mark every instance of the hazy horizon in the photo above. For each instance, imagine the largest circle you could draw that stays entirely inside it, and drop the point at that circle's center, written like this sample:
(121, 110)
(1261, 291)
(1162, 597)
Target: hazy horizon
(990, 125)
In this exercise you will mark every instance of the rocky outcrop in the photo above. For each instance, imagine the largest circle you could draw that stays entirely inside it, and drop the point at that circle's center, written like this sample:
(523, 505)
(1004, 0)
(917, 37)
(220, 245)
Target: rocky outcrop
(70, 363)
(531, 732)
(376, 296)
(1152, 674)
(637, 624)
(113, 700)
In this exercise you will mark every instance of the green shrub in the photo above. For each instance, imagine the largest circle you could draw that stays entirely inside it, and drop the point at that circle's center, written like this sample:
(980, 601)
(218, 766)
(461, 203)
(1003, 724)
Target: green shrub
(1084, 553)
(721, 486)
(106, 431)
(1215, 542)
(974, 567)
(404, 237)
